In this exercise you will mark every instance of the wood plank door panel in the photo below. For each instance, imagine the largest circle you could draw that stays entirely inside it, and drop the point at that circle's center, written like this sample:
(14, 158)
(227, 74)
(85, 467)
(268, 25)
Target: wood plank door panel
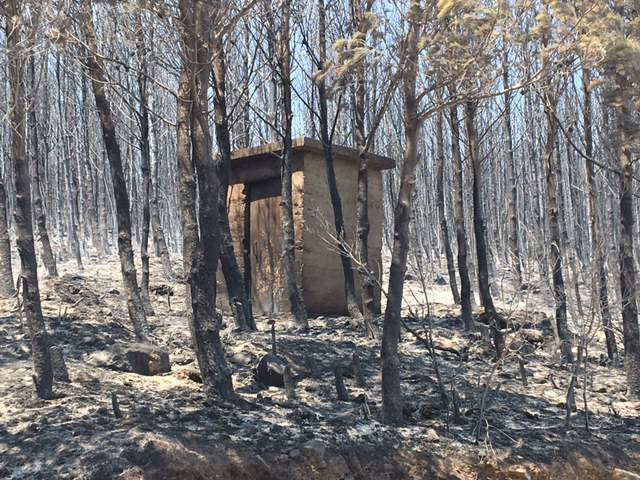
(267, 272)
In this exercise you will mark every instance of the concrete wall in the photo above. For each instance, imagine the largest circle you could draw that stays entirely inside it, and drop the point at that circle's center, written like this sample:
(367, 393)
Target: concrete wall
(323, 280)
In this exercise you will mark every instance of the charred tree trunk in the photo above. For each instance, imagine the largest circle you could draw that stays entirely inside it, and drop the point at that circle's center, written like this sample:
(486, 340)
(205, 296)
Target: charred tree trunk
(36, 192)
(440, 179)
(186, 176)
(145, 157)
(194, 156)
(559, 292)
(391, 392)
(74, 213)
(99, 82)
(97, 237)
(564, 210)
(22, 211)
(291, 271)
(597, 239)
(159, 239)
(496, 322)
(238, 299)
(336, 202)
(7, 288)
(514, 249)
(69, 178)
(625, 130)
(362, 209)
(539, 242)
(367, 290)
(461, 233)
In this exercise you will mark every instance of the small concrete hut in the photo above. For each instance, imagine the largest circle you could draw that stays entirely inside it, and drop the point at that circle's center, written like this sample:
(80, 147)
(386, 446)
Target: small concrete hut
(255, 221)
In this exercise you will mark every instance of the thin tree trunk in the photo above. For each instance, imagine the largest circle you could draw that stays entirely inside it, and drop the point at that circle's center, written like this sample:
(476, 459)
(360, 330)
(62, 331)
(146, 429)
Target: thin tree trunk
(97, 239)
(69, 174)
(103, 219)
(7, 288)
(538, 208)
(440, 180)
(74, 213)
(159, 239)
(496, 322)
(391, 392)
(565, 220)
(145, 157)
(36, 193)
(362, 210)
(98, 82)
(291, 271)
(22, 211)
(625, 128)
(238, 298)
(514, 249)
(336, 202)
(559, 293)
(597, 239)
(461, 234)
(367, 290)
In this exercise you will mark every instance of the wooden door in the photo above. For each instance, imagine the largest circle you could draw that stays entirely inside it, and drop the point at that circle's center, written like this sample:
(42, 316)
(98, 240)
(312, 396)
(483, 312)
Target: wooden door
(267, 272)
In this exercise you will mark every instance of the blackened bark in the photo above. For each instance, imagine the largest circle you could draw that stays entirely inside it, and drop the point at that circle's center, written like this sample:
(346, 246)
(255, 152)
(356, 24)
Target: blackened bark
(565, 219)
(36, 192)
(597, 240)
(496, 322)
(625, 128)
(146, 217)
(103, 218)
(391, 392)
(186, 179)
(98, 82)
(341, 389)
(194, 156)
(97, 239)
(367, 291)
(246, 240)
(440, 180)
(461, 233)
(159, 239)
(7, 288)
(145, 157)
(334, 195)
(70, 174)
(291, 272)
(559, 292)
(538, 201)
(362, 210)
(74, 213)
(514, 249)
(239, 301)
(22, 211)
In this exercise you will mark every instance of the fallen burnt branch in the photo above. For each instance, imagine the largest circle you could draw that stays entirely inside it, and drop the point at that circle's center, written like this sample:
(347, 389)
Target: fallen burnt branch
(442, 345)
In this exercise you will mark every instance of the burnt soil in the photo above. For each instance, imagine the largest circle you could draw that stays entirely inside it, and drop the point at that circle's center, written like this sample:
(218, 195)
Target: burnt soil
(168, 430)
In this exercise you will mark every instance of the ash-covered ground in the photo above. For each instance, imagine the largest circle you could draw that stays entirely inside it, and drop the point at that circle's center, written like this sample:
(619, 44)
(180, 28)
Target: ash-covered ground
(491, 424)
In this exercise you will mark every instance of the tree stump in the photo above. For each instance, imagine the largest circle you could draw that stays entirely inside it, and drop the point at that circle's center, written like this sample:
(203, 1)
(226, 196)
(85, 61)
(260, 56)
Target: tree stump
(60, 372)
(115, 405)
(289, 385)
(357, 371)
(341, 390)
(523, 372)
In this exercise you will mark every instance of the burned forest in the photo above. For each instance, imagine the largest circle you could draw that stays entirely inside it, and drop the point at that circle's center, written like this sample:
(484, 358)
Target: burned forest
(351, 239)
